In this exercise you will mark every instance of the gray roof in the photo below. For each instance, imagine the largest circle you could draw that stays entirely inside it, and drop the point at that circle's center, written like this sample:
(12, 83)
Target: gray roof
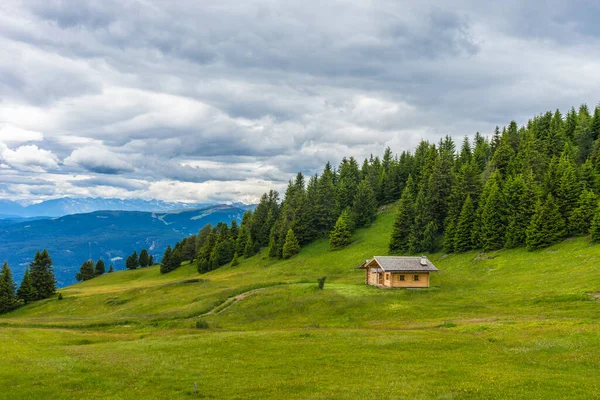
(408, 264)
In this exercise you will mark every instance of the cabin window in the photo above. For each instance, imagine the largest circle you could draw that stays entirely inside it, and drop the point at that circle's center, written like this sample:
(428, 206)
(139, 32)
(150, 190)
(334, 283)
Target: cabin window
(401, 278)
(416, 278)
(387, 277)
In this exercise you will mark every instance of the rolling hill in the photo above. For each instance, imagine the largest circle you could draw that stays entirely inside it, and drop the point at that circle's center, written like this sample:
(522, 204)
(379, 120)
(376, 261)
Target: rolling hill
(508, 324)
(110, 235)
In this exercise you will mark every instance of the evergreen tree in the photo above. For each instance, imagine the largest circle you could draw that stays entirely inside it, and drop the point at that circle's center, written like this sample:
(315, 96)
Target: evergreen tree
(86, 271)
(150, 260)
(27, 292)
(166, 264)
(100, 268)
(547, 225)
(430, 237)
(521, 197)
(364, 208)
(341, 236)
(582, 216)
(463, 237)
(235, 261)
(111, 268)
(42, 275)
(144, 258)
(399, 242)
(325, 204)
(291, 247)
(595, 228)
(568, 188)
(132, 261)
(8, 297)
(493, 220)
(595, 125)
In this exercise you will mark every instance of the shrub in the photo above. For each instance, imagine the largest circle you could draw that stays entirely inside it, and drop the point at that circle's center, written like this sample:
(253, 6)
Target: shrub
(60, 297)
(202, 324)
(321, 282)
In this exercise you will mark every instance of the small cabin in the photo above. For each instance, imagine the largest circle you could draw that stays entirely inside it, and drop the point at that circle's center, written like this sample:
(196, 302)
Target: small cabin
(398, 272)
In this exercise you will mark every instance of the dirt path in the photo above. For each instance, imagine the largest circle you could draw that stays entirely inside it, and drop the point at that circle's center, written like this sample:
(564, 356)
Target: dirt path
(230, 302)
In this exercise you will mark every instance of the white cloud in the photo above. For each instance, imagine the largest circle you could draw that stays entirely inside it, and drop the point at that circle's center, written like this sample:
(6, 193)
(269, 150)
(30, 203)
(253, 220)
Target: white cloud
(28, 158)
(98, 159)
(10, 134)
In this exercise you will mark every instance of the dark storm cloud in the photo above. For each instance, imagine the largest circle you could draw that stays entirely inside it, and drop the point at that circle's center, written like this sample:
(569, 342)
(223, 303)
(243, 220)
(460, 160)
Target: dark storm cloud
(215, 92)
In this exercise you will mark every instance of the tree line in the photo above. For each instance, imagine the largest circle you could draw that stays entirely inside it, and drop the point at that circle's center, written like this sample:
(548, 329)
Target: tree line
(529, 186)
(38, 283)
(89, 271)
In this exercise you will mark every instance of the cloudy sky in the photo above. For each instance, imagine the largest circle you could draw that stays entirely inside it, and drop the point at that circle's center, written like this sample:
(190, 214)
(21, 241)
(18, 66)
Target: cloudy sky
(219, 100)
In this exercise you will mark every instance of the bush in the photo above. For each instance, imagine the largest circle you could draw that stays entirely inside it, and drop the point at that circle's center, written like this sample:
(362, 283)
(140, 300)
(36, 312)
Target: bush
(60, 297)
(202, 324)
(321, 282)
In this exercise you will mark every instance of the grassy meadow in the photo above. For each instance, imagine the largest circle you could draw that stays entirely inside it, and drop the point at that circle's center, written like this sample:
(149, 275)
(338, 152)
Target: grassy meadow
(508, 324)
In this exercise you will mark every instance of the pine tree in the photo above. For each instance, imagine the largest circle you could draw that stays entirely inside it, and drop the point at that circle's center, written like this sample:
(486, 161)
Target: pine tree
(291, 247)
(521, 197)
(144, 258)
(27, 292)
(399, 241)
(235, 262)
(100, 268)
(364, 208)
(568, 188)
(547, 225)
(111, 268)
(42, 275)
(493, 220)
(581, 217)
(341, 236)
(132, 261)
(8, 297)
(463, 236)
(430, 237)
(595, 228)
(86, 271)
(166, 263)
(150, 260)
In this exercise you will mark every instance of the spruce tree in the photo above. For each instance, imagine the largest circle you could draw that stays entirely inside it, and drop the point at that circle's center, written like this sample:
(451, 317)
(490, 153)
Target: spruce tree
(8, 297)
(493, 220)
(463, 236)
(595, 228)
(27, 292)
(166, 263)
(111, 268)
(144, 259)
(100, 268)
(568, 188)
(364, 208)
(291, 246)
(429, 242)
(86, 271)
(341, 236)
(582, 216)
(42, 275)
(547, 225)
(399, 241)
(150, 260)
(132, 261)
(235, 262)
(521, 196)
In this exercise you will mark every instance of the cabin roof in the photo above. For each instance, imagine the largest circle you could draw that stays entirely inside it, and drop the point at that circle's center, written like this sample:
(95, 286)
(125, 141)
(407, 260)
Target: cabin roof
(406, 264)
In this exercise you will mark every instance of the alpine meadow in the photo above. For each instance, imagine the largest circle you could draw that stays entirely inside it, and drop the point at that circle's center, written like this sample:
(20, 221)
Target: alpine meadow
(510, 222)
(299, 199)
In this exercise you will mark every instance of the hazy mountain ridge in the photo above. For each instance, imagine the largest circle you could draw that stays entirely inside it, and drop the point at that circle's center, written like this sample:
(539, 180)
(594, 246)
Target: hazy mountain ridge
(67, 206)
(72, 239)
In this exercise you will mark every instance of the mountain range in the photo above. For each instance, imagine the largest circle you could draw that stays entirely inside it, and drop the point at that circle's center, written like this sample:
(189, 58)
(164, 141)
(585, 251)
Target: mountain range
(107, 235)
(67, 206)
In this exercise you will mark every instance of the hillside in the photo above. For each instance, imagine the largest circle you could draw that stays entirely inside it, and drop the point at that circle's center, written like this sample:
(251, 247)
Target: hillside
(506, 324)
(110, 235)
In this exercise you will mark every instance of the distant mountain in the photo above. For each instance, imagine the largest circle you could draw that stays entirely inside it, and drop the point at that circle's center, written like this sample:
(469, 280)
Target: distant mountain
(67, 206)
(110, 235)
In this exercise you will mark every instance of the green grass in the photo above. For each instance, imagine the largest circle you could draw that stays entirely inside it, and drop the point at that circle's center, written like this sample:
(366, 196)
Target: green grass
(509, 324)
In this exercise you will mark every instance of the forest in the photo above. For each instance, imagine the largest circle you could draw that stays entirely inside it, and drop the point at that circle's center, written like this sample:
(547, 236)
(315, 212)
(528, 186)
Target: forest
(530, 185)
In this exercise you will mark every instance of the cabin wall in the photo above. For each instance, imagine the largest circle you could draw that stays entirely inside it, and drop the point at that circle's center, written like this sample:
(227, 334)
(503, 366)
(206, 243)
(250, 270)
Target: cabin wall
(409, 280)
(372, 278)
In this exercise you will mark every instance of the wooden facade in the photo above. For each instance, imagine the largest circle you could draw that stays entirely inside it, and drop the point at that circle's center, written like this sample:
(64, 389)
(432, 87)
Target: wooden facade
(398, 272)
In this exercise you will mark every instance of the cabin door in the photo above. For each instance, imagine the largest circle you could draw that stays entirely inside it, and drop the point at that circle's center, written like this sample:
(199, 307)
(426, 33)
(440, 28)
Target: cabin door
(380, 274)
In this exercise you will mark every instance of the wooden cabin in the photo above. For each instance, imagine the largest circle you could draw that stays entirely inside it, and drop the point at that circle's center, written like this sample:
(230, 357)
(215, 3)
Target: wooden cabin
(398, 272)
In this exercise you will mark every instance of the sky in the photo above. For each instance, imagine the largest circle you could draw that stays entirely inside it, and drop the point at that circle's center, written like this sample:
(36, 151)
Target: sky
(219, 100)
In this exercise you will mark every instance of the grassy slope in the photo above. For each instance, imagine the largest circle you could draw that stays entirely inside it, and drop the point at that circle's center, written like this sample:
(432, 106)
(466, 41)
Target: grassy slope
(510, 324)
